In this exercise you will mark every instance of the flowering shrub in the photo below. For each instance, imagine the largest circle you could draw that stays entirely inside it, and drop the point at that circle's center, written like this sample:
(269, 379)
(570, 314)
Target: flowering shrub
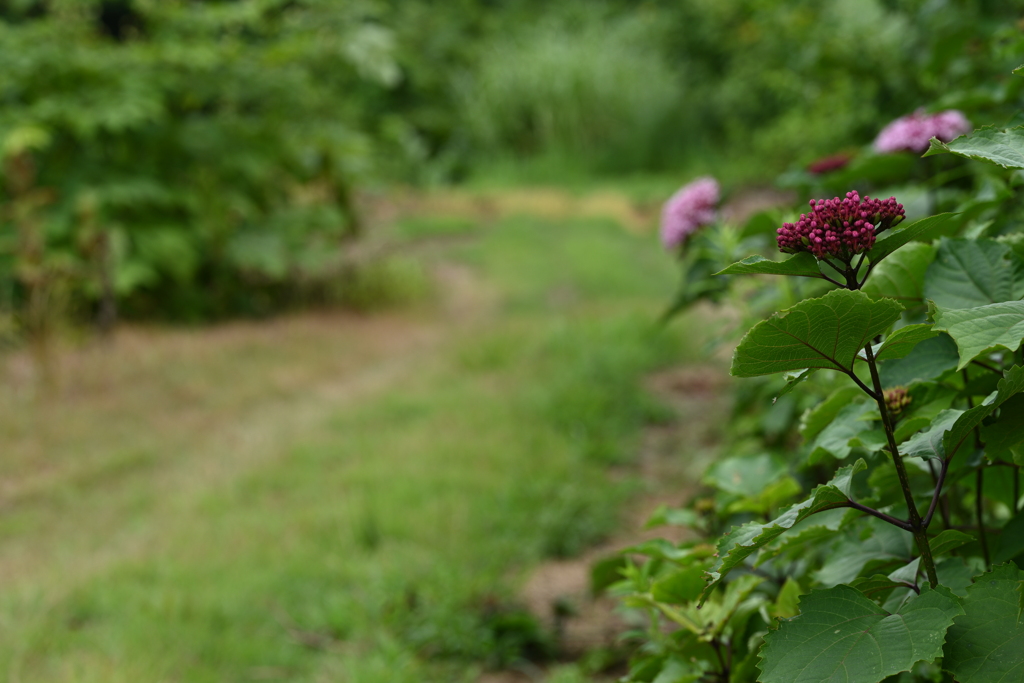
(880, 537)
(911, 133)
(690, 208)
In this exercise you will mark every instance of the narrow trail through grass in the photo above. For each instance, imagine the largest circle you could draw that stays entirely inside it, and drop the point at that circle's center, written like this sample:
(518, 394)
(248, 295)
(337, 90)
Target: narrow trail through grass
(332, 497)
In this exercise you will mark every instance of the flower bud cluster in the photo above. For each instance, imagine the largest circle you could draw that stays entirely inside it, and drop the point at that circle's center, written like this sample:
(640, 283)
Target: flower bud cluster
(840, 227)
(896, 399)
(911, 133)
(690, 208)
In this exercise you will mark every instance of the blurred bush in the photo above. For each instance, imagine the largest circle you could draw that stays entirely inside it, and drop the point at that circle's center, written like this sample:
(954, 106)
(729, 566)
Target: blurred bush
(587, 85)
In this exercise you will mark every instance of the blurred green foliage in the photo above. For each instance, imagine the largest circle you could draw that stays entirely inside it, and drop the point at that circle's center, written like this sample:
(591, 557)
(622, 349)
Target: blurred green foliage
(192, 160)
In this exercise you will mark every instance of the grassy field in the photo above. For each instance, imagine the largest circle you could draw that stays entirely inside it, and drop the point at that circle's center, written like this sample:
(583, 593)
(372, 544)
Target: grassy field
(329, 496)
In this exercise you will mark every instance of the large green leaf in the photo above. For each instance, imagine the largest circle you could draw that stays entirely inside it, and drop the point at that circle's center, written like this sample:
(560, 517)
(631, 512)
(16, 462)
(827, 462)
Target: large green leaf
(842, 636)
(802, 264)
(976, 330)
(901, 276)
(1008, 387)
(816, 333)
(969, 273)
(894, 239)
(986, 643)
(1002, 147)
(735, 546)
(928, 360)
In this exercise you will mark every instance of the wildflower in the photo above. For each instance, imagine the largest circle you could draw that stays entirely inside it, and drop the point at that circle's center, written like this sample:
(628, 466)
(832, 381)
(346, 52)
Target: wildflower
(840, 228)
(911, 133)
(896, 399)
(690, 208)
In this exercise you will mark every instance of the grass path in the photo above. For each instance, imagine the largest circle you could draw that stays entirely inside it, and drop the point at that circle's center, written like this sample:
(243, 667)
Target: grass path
(330, 497)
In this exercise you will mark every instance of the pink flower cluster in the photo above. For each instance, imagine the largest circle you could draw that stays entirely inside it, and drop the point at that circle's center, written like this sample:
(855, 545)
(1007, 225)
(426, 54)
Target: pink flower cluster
(690, 208)
(840, 228)
(911, 133)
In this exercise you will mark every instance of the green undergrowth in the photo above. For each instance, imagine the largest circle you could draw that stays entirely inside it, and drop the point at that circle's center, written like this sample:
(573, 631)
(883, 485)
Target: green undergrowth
(385, 541)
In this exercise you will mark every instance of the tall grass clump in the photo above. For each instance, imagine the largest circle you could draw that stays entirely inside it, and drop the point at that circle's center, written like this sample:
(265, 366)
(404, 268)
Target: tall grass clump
(593, 90)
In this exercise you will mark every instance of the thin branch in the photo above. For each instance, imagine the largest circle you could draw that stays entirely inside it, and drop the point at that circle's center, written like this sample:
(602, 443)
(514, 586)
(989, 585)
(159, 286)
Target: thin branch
(979, 509)
(833, 266)
(859, 264)
(871, 266)
(863, 386)
(901, 472)
(837, 284)
(979, 503)
(880, 515)
(938, 493)
(1016, 490)
(988, 367)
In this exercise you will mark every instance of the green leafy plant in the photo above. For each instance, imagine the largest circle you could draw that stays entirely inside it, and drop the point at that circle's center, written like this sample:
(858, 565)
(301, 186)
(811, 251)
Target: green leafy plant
(903, 559)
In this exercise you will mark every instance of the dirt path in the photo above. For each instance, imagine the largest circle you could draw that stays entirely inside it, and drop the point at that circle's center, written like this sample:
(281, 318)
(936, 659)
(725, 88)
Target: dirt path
(145, 427)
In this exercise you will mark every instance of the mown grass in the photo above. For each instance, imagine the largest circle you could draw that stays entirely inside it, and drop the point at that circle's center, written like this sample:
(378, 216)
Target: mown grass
(330, 503)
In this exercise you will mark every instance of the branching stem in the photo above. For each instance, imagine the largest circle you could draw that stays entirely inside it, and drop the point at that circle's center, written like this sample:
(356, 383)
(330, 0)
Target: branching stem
(979, 509)
(939, 481)
(880, 515)
(917, 526)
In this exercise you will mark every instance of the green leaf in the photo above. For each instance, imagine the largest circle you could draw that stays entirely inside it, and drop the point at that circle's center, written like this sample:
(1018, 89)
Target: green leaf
(900, 343)
(1010, 543)
(741, 542)
(840, 635)
(928, 360)
(878, 583)
(803, 264)
(948, 540)
(871, 542)
(679, 587)
(929, 443)
(822, 525)
(835, 439)
(787, 605)
(901, 276)
(906, 428)
(745, 476)
(816, 333)
(793, 380)
(986, 643)
(1008, 387)
(761, 223)
(1003, 434)
(665, 515)
(819, 417)
(1001, 147)
(976, 330)
(904, 234)
(969, 273)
